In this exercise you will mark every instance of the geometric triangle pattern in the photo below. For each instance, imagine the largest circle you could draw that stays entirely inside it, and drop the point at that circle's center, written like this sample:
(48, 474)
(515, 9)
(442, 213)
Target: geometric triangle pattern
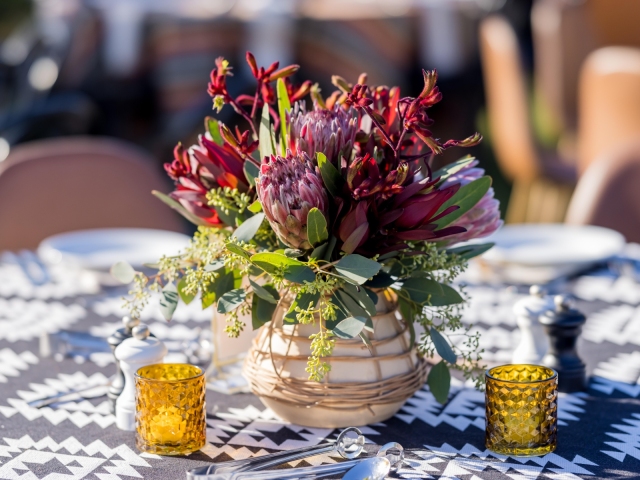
(628, 439)
(68, 460)
(11, 363)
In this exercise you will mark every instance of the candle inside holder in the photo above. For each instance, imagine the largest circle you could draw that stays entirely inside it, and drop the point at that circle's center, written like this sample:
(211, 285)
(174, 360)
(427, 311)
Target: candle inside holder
(521, 409)
(170, 409)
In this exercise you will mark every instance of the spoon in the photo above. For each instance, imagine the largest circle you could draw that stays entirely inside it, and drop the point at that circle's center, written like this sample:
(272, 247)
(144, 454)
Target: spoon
(376, 468)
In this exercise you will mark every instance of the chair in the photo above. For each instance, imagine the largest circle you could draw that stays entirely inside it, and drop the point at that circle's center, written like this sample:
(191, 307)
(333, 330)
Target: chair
(65, 184)
(607, 193)
(609, 102)
(541, 182)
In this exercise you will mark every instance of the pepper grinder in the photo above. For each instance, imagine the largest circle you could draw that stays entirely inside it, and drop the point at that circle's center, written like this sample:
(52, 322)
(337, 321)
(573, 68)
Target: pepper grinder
(120, 335)
(533, 341)
(133, 353)
(563, 326)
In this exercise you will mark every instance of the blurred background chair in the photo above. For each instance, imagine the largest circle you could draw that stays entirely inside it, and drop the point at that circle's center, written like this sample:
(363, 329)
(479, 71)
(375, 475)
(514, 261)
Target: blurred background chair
(607, 193)
(542, 183)
(66, 184)
(609, 106)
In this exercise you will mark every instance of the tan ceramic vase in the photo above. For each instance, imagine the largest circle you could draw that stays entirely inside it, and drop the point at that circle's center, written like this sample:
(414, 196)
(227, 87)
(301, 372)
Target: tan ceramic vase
(363, 386)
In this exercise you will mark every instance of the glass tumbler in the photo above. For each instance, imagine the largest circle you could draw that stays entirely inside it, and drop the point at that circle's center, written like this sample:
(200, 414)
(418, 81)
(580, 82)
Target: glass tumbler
(521, 410)
(170, 409)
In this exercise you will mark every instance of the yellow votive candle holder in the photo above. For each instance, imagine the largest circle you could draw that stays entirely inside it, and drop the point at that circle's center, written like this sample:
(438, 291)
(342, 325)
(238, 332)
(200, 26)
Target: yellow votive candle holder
(521, 410)
(170, 409)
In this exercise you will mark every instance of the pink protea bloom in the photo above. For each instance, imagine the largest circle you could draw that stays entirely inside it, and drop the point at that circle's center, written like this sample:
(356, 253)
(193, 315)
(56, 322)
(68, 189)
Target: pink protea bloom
(484, 218)
(288, 187)
(330, 131)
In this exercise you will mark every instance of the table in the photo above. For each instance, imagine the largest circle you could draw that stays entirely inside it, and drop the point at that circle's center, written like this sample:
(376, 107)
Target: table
(599, 430)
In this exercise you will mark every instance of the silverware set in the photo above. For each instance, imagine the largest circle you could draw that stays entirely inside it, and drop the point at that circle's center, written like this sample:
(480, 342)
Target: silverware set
(349, 445)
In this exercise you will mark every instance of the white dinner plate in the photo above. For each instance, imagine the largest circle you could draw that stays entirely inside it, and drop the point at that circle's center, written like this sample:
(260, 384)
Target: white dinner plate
(544, 245)
(99, 249)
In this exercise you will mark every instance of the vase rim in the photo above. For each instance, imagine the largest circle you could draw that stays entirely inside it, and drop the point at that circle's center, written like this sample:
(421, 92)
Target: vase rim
(488, 373)
(185, 379)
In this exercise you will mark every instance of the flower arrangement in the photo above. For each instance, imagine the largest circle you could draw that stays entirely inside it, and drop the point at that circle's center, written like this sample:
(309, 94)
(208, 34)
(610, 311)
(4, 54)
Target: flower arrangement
(326, 204)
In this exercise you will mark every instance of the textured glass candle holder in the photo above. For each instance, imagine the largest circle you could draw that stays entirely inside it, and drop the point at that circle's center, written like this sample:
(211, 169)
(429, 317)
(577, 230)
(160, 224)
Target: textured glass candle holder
(170, 409)
(521, 409)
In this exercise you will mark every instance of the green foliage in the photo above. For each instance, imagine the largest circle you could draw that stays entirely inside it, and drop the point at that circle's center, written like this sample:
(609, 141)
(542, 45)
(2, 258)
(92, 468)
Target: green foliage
(213, 127)
(284, 106)
(261, 309)
(316, 227)
(251, 171)
(267, 143)
(439, 381)
(442, 346)
(247, 230)
(263, 293)
(467, 252)
(123, 272)
(465, 198)
(357, 268)
(231, 300)
(350, 327)
(169, 301)
(330, 176)
(179, 208)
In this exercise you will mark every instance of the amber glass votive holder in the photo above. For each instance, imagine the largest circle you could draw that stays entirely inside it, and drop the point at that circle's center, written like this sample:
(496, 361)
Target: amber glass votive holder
(170, 409)
(521, 410)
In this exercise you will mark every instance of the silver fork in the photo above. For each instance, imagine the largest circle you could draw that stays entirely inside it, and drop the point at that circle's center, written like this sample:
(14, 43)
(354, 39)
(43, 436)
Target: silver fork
(347, 446)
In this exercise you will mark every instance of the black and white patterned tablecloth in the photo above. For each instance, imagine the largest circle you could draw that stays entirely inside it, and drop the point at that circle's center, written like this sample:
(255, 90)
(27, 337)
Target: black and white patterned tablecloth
(599, 429)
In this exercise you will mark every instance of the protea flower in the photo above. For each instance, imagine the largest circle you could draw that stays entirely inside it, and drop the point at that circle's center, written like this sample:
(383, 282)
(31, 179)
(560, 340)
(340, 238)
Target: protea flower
(288, 187)
(330, 131)
(484, 218)
(387, 212)
(201, 168)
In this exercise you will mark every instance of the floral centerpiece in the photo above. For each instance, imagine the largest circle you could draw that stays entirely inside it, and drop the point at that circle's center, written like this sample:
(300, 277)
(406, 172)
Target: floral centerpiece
(326, 214)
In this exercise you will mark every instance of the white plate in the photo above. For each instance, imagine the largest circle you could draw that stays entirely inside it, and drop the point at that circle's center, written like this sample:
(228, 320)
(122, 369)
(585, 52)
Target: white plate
(99, 249)
(538, 245)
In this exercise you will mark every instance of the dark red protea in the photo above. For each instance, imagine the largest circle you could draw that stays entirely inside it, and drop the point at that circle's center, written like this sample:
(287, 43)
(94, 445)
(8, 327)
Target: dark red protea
(204, 167)
(388, 211)
(288, 188)
(330, 131)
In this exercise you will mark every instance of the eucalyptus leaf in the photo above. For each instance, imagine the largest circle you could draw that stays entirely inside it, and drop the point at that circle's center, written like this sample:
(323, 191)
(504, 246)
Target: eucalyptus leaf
(223, 283)
(330, 246)
(214, 266)
(357, 268)
(233, 248)
(123, 272)
(187, 298)
(316, 227)
(439, 381)
(362, 297)
(246, 231)
(469, 251)
(299, 274)
(227, 218)
(368, 325)
(302, 300)
(352, 306)
(330, 176)
(284, 105)
(177, 206)
(168, 301)
(266, 147)
(442, 346)
(293, 252)
(319, 251)
(421, 290)
(465, 198)
(450, 296)
(251, 171)
(276, 263)
(263, 293)
(381, 280)
(213, 127)
(231, 300)
(349, 327)
(262, 310)
(255, 207)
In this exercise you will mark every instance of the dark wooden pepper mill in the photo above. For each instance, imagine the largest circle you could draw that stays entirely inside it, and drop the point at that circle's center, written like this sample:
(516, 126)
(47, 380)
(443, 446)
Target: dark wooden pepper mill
(563, 327)
(117, 384)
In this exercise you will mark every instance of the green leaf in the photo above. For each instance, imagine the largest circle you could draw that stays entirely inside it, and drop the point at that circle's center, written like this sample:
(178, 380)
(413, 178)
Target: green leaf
(123, 272)
(450, 296)
(231, 300)
(381, 280)
(265, 145)
(442, 346)
(224, 282)
(180, 209)
(246, 231)
(283, 105)
(330, 246)
(439, 381)
(465, 198)
(227, 218)
(351, 306)
(263, 293)
(316, 227)
(169, 301)
(187, 298)
(366, 341)
(213, 128)
(262, 310)
(451, 169)
(368, 325)
(275, 263)
(319, 251)
(357, 268)
(214, 266)
(233, 248)
(350, 327)
(293, 252)
(420, 290)
(469, 251)
(302, 300)
(255, 207)
(330, 176)
(251, 171)
(360, 295)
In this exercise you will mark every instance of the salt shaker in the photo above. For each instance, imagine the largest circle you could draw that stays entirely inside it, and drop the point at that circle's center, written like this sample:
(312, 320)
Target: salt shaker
(563, 326)
(133, 353)
(119, 336)
(533, 341)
